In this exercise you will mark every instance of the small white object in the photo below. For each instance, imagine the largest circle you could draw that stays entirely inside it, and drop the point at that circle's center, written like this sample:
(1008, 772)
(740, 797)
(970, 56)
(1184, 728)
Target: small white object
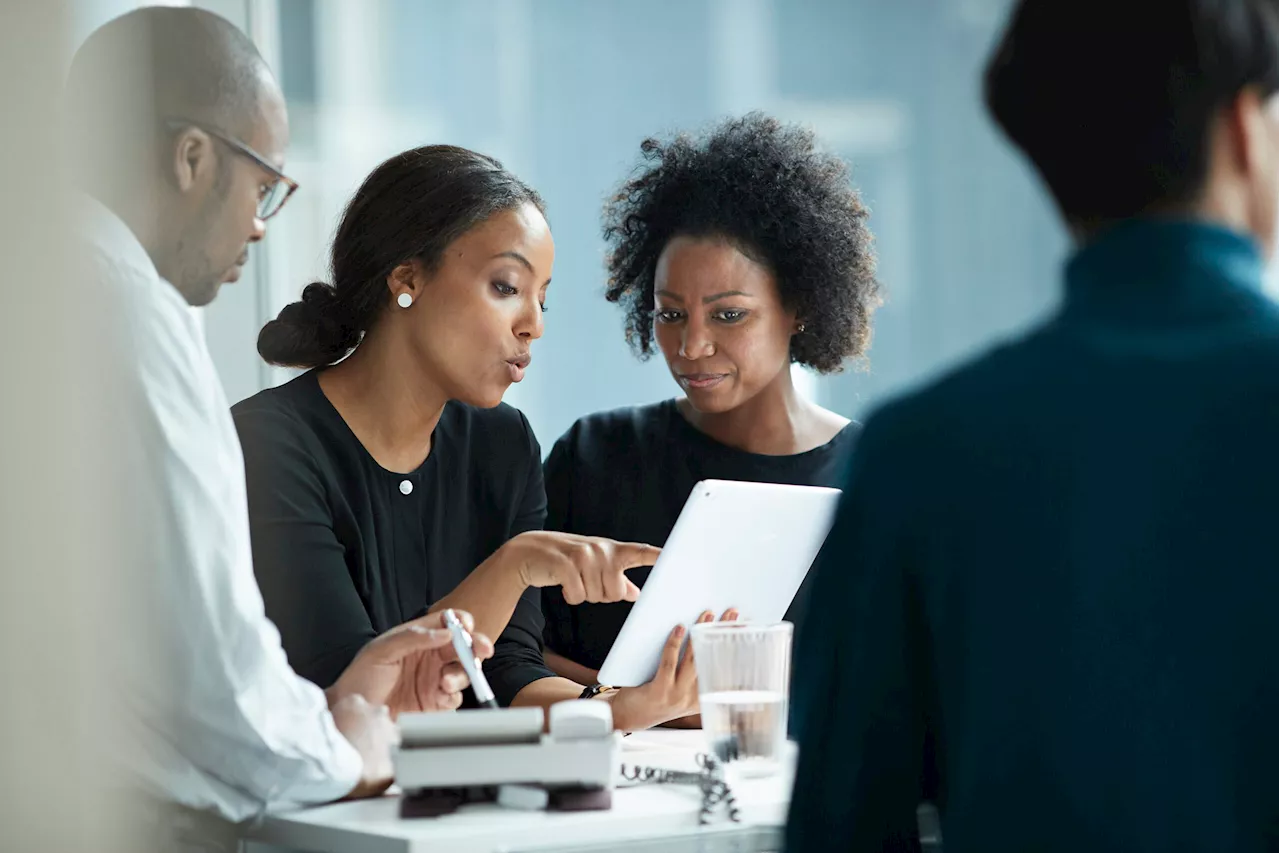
(549, 762)
(405, 487)
(581, 719)
(525, 797)
(422, 729)
(436, 756)
(777, 532)
(404, 300)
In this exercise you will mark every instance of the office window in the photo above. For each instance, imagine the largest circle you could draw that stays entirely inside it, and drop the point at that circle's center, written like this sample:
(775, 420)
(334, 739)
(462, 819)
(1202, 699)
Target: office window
(564, 91)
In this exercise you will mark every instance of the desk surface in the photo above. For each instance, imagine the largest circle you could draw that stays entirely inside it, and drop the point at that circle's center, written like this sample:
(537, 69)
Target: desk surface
(639, 812)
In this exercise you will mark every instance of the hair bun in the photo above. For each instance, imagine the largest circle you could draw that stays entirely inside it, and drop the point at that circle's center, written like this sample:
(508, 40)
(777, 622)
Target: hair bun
(319, 300)
(312, 332)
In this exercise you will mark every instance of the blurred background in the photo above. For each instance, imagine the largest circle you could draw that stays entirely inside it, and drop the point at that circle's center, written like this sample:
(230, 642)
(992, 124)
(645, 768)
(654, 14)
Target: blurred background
(564, 91)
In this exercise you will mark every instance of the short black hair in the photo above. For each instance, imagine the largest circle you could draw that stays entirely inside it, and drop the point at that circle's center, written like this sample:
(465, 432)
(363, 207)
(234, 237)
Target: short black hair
(161, 62)
(411, 207)
(1113, 100)
(765, 188)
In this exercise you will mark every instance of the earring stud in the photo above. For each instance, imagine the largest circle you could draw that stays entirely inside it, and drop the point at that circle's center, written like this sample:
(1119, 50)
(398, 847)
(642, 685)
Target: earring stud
(404, 300)
(800, 328)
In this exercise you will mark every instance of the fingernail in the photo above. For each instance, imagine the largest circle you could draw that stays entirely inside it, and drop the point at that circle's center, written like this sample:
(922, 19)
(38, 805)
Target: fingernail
(679, 630)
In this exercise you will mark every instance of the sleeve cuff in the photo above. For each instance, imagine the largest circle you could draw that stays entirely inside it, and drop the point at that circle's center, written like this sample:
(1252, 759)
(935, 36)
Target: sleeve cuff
(337, 778)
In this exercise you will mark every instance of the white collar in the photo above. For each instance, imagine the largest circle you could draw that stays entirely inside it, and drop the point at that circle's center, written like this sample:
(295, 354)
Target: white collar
(107, 232)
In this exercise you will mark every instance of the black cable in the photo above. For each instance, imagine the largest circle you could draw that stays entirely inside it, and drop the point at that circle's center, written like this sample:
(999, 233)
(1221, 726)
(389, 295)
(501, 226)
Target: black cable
(709, 777)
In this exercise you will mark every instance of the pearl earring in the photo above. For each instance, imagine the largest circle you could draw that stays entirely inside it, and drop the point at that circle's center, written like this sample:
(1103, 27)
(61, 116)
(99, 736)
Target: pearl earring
(404, 300)
(800, 328)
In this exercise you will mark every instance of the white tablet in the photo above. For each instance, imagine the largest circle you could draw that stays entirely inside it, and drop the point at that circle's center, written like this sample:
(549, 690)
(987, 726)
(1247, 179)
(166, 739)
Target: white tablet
(735, 544)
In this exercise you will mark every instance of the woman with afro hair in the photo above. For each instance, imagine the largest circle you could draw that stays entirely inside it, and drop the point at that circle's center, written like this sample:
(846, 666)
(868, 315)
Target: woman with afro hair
(735, 255)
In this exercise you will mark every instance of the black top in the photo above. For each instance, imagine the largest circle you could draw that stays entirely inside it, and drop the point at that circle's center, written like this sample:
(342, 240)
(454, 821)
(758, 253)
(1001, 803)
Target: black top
(1048, 602)
(345, 549)
(626, 475)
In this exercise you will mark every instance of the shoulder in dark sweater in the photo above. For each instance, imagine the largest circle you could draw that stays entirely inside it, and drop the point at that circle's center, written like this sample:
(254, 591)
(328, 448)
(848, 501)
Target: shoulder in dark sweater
(300, 405)
(618, 431)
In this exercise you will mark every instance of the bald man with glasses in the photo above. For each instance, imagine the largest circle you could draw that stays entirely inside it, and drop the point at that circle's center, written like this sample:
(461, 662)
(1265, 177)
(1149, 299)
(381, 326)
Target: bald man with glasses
(178, 131)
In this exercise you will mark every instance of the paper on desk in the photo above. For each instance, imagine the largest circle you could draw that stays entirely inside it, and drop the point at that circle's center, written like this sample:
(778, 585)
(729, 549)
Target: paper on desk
(670, 740)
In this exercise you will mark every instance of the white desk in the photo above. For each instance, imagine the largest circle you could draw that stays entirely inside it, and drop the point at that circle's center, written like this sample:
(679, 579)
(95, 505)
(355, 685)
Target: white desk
(639, 812)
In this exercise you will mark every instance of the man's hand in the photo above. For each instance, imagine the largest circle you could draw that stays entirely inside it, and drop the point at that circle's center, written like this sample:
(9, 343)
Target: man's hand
(369, 729)
(412, 667)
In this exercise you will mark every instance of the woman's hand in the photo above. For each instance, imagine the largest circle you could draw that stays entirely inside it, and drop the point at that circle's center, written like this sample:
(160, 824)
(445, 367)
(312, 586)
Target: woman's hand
(586, 568)
(673, 692)
(412, 667)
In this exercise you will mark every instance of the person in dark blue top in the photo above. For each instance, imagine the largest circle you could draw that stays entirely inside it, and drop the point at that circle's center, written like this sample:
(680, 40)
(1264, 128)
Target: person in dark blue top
(1048, 604)
(734, 274)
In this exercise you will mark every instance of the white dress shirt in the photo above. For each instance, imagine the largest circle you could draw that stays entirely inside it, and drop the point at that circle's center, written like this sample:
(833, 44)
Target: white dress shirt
(216, 717)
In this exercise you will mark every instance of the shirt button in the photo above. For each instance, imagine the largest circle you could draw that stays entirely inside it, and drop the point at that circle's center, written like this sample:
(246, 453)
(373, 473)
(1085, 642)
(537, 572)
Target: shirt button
(405, 487)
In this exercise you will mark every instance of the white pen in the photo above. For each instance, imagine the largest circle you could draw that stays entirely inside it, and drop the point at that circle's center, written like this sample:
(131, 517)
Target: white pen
(470, 663)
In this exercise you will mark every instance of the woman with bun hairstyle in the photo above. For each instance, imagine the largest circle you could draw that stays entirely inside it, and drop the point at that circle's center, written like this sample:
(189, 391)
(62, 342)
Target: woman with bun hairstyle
(389, 480)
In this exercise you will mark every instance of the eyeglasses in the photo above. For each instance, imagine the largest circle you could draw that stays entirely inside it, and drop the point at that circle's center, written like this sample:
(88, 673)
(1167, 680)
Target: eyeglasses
(271, 196)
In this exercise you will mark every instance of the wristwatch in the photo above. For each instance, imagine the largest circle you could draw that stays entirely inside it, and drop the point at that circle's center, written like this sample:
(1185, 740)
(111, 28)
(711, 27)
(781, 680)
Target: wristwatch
(597, 689)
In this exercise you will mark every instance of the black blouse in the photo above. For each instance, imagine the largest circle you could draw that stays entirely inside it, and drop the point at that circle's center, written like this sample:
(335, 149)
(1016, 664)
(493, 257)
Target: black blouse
(626, 475)
(345, 549)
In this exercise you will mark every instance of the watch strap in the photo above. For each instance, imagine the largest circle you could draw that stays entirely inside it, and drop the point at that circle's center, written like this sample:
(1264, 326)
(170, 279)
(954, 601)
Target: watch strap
(595, 690)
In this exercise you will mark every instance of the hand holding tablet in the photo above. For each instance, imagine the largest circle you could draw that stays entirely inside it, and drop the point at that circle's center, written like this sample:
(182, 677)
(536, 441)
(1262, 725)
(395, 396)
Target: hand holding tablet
(736, 544)
(672, 693)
